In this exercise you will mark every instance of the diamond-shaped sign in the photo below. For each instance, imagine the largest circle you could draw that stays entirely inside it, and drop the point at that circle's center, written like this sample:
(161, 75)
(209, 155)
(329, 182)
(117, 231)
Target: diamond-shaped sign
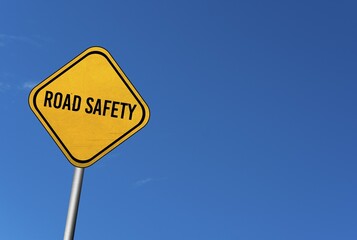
(89, 107)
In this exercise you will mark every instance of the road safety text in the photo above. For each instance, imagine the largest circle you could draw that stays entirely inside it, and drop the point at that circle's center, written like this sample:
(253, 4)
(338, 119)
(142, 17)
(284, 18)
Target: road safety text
(96, 106)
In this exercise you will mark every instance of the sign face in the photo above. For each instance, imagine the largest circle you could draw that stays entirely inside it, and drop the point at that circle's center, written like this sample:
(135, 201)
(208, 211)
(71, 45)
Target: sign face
(89, 107)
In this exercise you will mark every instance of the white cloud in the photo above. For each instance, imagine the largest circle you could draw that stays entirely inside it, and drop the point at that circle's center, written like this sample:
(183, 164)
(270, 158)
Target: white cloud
(7, 38)
(12, 81)
(28, 85)
(142, 182)
(4, 87)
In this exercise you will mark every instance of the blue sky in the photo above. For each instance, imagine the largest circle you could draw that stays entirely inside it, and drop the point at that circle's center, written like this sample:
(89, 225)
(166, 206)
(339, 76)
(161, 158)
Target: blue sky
(252, 132)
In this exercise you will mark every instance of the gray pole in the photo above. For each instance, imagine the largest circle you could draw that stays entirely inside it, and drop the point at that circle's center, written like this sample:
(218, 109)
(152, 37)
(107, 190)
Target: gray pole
(73, 203)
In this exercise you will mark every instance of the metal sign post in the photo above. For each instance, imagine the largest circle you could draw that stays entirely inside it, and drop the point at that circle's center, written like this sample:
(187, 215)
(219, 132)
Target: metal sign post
(73, 203)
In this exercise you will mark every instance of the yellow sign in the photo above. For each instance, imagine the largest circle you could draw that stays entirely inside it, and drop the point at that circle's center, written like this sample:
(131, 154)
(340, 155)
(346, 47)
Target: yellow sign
(89, 107)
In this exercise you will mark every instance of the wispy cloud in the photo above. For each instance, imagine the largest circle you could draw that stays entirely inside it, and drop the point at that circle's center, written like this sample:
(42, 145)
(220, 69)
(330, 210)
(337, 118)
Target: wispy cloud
(9, 81)
(8, 38)
(142, 182)
(4, 87)
(28, 85)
